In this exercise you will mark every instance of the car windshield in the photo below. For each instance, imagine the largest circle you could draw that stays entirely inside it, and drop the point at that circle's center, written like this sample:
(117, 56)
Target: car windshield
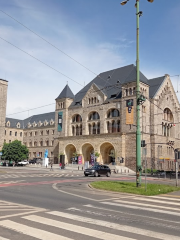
(94, 167)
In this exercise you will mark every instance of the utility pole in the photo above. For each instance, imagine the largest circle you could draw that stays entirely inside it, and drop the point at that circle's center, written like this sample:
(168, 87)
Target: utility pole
(138, 131)
(139, 97)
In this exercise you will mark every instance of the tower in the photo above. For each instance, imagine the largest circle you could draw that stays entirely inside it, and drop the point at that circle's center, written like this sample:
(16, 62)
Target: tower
(3, 102)
(63, 101)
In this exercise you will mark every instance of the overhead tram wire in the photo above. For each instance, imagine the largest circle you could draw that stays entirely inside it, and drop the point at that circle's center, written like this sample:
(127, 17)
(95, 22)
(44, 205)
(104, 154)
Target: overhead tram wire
(54, 103)
(67, 55)
(40, 61)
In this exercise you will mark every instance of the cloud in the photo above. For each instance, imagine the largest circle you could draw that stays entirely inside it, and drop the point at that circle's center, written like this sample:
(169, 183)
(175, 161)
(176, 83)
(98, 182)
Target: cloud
(32, 84)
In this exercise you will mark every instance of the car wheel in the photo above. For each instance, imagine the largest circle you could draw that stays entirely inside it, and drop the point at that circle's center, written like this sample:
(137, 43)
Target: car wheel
(108, 174)
(85, 175)
(96, 174)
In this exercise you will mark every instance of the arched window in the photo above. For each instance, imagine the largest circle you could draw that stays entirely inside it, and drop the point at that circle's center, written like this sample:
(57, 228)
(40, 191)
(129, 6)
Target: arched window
(80, 130)
(168, 116)
(77, 130)
(95, 100)
(92, 100)
(98, 128)
(94, 116)
(113, 126)
(77, 118)
(118, 126)
(94, 128)
(113, 113)
(89, 101)
(108, 127)
(126, 92)
(130, 91)
(73, 131)
(90, 129)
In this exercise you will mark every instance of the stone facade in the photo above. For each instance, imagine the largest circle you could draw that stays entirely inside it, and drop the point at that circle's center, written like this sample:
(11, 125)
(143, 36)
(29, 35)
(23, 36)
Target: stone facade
(95, 120)
(3, 102)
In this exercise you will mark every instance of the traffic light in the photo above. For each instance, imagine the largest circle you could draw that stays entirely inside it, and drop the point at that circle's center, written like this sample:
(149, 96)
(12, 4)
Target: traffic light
(143, 143)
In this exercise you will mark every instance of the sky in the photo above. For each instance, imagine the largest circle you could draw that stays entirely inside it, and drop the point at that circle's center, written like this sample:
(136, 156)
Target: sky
(101, 35)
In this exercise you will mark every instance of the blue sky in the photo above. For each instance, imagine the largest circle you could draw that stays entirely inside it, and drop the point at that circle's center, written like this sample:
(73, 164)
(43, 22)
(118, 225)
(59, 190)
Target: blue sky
(99, 34)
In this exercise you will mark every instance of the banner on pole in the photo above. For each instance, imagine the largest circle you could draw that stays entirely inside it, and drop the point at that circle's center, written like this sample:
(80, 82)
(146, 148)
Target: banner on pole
(129, 111)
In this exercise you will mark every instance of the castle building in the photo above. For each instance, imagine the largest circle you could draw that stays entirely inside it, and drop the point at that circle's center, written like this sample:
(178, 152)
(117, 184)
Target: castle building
(101, 118)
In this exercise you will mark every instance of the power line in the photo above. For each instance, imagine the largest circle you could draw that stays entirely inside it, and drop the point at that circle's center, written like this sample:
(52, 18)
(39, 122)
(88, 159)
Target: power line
(67, 55)
(49, 43)
(31, 109)
(40, 61)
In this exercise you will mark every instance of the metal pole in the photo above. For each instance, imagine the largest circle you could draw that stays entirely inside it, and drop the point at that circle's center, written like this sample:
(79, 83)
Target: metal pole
(176, 174)
(138, 133)
(146, 170)
(176, 164)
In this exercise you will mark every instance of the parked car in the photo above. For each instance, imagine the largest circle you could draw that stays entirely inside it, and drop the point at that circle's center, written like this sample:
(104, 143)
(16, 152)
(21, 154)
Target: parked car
(98, 170)
(34, 160)
(23, 163)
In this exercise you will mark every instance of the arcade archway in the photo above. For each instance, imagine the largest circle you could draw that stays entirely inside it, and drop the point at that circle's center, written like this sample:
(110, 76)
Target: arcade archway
(69, 150)
(87, 150)
(107, 149)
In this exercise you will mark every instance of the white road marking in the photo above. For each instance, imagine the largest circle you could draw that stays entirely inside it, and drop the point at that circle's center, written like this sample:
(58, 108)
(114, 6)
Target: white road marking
(157, 201)
(147, 205)
(76, 228)
(115, 226)
(167, 198)
(115, 211)
(143, 208)
(30, 231)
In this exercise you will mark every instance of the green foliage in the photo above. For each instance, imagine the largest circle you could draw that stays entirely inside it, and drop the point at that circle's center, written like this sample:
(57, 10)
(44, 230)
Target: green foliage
(15, 151)
(148, 170)
(75, 154)
(130, 187)
(97, 154)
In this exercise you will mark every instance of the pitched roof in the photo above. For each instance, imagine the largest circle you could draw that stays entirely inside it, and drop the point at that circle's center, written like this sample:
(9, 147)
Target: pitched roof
(14, 122)
(35, 118)
(154, 85)
(105, 80)
(66, 93)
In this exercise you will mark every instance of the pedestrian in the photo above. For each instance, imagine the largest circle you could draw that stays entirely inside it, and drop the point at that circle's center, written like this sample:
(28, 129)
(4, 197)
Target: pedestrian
(60, 165)
(51, 166)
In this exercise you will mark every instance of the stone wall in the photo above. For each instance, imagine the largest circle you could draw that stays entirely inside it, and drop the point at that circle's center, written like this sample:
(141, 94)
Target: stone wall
(3, 102)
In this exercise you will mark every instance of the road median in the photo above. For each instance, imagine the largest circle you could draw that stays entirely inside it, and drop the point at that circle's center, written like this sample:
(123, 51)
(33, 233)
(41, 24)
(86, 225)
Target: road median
(129, 187)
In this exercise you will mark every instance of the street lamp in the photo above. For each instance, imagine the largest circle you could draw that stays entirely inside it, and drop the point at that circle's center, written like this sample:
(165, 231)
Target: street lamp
(138, 131)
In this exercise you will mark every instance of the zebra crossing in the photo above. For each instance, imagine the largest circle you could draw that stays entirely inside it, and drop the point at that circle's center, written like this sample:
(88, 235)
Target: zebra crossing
(67, 226)
(4, 176)
(74, 225)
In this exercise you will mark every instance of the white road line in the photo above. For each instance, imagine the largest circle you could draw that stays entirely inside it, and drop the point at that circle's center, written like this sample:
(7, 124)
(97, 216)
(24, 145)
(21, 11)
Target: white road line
(143, 208)
(167, 198)
(158, 201)
(76, 228)
(130, 214)
(147, 205)
(115, 226)
(30, 231)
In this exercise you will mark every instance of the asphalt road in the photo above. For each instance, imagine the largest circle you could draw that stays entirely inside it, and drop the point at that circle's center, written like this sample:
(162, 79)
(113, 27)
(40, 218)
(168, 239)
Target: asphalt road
(40, 204)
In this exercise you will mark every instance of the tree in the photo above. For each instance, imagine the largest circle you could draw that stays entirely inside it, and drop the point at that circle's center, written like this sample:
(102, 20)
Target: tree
(15, 151)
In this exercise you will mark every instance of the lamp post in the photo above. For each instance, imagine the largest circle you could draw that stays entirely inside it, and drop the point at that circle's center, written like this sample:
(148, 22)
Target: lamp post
(138, 131)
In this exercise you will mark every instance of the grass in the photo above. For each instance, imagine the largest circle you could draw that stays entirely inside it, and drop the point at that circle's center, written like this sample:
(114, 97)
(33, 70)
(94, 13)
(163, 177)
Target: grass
(129, 187)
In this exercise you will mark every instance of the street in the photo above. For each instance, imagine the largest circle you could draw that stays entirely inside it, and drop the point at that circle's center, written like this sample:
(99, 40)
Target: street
(44, 204)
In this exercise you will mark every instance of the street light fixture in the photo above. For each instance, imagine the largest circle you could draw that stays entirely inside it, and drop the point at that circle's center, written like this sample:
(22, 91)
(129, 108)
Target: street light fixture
(124, 2)
(138, 131)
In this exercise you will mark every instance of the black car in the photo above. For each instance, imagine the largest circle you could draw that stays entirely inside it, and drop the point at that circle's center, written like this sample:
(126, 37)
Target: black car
(33, 161)
(98, 170)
